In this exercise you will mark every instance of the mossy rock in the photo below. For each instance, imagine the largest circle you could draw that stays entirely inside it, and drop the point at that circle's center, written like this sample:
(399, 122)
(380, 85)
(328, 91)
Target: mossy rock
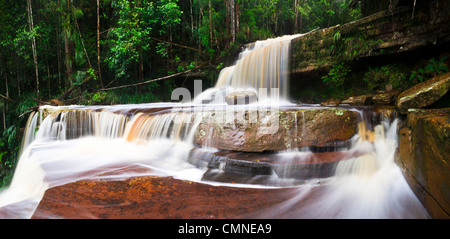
(276, 130)
(424, 155)
(424, 94)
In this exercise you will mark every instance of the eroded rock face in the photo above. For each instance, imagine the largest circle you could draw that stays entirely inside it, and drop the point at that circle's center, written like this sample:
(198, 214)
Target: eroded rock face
(257, 131)
(381, 99)
(424, 94)
(425, 158)
(381, 34)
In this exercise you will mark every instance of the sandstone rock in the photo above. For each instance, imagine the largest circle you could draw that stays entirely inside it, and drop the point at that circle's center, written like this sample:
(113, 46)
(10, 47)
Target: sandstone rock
(424, 94)
(424, 156)
(257, 131)
(385, 33)
(301, 166)
(385, 113)
(385, 98)
(359, 100)
(331, 102)
(160, 197)
(241, 98)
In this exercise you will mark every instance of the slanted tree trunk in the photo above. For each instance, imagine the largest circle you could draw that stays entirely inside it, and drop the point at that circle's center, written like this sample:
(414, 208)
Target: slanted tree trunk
(5, 105)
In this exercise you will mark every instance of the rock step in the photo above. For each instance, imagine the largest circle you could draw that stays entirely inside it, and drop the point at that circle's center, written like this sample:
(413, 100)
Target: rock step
(276, 129)
(166, 197)
(296, 165)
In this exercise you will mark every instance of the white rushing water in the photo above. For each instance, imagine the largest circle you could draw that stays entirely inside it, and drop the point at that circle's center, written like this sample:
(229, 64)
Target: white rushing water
(264, 64)
(372, 185)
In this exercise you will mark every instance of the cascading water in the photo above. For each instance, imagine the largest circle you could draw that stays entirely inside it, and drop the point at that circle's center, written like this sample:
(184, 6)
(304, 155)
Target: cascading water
(265, 64)
(66, 144)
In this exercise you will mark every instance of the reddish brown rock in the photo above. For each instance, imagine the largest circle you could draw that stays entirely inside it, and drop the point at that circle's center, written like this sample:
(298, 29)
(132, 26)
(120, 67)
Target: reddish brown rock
(425, 157)
(359, 100)
(386, 98)
(165, 197)
(298, 166)
(331, 102)
(424, 94)
(253, 131)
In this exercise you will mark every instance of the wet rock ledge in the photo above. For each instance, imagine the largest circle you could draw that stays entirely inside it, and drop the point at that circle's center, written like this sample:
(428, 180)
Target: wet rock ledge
(277, 130)
(424, 158)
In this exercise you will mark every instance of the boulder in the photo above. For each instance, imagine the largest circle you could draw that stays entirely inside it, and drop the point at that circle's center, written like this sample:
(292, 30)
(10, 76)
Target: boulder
(241, 98)
(386, 98)
(424, 156)
(359, 100)
(308, 165)
(257, 131)
(424, 94)
(331, 102)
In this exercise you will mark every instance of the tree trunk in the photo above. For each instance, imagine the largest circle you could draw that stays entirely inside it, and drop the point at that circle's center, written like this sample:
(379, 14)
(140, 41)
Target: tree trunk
(4, 118)
(68, 56)
(33, 44)
(6, 75)
(141, 73)
(58, 51)
(49, 83)
(58, 59)
(98, 44)
(210, 25)
(237, 18)
(192, 19)
(200, 17)
(301, 16)
(296, 15)
(17, 73)
(5, 105)
(68, 44)
(233, 21)
(227, 17)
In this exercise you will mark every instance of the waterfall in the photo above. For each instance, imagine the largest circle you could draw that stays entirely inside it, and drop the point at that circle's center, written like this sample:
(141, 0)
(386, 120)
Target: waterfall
(263, 64)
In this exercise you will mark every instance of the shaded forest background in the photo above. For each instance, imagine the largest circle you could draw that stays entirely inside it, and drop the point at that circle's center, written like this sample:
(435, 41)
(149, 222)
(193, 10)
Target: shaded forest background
(111, 51)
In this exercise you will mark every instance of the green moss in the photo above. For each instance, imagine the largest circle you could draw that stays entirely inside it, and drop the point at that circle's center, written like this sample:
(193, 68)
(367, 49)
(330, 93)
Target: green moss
(339, 112)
